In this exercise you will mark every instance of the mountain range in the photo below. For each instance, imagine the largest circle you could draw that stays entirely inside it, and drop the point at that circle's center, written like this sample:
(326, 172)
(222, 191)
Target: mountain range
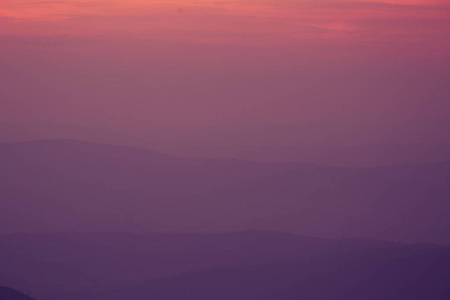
(238, 265)
(67, 185)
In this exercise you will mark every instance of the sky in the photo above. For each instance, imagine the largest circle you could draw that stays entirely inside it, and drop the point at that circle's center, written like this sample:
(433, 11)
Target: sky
(357, 68)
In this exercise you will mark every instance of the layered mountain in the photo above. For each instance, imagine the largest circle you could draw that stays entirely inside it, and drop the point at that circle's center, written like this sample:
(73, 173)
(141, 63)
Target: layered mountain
(65, 185)
(156, 265)
(59, 185)
(379, 275)
(264, 142)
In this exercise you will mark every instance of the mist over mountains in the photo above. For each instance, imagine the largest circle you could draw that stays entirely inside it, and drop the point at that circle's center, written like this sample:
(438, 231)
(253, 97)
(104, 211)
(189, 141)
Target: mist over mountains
(90, 221)
(225, 150)
(67, 185)
(372, 278)
(343, 145)
(238, 265)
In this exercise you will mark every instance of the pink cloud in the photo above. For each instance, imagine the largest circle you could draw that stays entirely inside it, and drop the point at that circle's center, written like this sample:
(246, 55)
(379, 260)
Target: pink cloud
(325, 29)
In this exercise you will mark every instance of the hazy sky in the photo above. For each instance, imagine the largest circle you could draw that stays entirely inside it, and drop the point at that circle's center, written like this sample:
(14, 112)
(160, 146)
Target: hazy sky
(136, 63)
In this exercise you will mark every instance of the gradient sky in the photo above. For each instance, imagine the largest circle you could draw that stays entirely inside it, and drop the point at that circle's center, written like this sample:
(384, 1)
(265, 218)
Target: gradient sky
(136, 63)
(341, 23)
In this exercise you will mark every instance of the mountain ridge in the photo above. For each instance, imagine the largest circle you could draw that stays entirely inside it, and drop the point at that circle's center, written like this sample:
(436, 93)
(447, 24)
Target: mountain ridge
(118, 189)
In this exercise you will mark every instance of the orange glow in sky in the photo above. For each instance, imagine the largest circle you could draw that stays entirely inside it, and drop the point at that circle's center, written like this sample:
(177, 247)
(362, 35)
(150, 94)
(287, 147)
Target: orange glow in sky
(236, 21)
(141, 61)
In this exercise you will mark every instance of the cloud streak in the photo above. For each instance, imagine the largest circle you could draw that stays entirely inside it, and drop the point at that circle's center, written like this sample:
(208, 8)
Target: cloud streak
(276, 21)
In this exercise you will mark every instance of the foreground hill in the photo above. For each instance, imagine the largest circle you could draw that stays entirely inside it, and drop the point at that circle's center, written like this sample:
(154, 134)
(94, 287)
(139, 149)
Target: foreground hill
(7, 293)
(64, 185)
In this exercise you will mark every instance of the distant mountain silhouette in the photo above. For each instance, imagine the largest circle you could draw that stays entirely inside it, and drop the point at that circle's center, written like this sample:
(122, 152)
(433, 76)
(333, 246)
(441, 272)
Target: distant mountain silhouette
(97, 186)
(400, 203)
(7, 293)
(384, 274)
(265, 142)
(51, 264)
(66, 185)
